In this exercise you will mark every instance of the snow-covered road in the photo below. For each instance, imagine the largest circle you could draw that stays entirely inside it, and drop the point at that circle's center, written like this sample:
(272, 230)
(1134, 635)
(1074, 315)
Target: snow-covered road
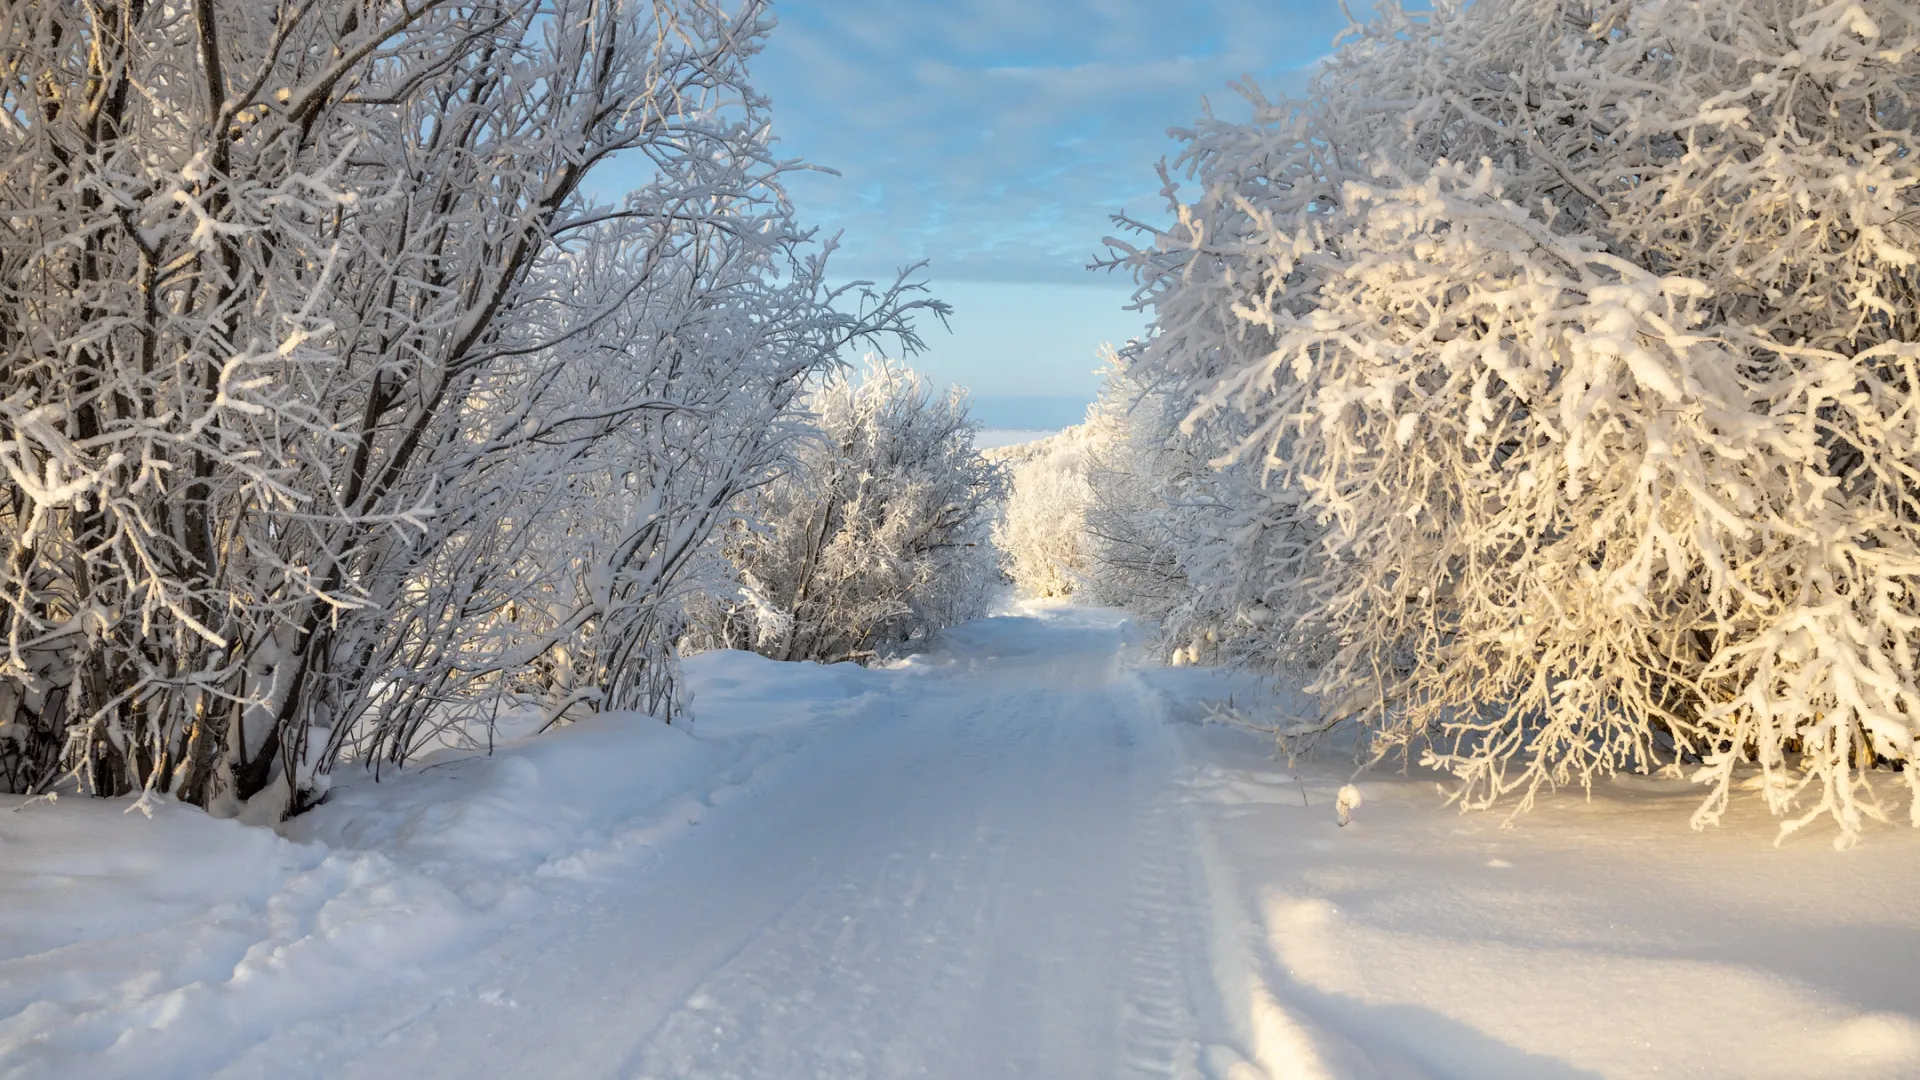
(991, 878)
(1011, 858)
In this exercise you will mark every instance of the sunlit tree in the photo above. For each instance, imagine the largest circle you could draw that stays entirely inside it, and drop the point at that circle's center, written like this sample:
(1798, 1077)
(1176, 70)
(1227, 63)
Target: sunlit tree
(1588, 333)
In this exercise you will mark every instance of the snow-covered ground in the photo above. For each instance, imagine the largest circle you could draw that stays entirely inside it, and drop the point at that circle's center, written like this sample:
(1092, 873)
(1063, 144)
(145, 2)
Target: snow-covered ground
(1018, 856)
(1594, 938)
(998, 438)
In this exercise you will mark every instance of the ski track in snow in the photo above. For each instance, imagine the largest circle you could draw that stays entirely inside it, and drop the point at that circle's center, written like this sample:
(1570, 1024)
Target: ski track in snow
(1011, 859)
(963, 884)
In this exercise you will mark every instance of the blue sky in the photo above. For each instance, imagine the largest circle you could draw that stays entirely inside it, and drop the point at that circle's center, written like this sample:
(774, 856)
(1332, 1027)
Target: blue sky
(994, 138)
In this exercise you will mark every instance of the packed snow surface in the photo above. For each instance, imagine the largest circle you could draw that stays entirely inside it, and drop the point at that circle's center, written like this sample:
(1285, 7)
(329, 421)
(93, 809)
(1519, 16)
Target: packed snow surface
(1019, 856)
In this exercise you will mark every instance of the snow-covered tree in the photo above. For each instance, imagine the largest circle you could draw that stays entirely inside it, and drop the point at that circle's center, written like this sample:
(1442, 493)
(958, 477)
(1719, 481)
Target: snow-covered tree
(634, 442)
(312, 342)
(1195, 545)
(1588, 332)
(1041, 530)
(875, 536)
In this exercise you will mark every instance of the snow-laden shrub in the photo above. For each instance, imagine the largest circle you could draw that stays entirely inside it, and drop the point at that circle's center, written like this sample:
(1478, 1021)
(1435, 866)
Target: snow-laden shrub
(1041, 531)
(334, 407)
(1589, 332)
(875, 536)
(1193, 545)
(1134, 463)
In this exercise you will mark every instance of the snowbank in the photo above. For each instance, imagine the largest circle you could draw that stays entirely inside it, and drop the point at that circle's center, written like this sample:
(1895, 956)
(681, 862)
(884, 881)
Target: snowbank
(742, 693)
(145, 947)
(1595, 937)
(129, 946)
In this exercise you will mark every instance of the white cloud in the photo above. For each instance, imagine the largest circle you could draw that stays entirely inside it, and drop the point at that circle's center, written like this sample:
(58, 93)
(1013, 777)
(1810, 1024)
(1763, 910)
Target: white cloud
(997, 136)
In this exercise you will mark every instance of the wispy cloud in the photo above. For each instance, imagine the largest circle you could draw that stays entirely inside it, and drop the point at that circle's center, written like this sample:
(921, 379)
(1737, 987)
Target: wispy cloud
(996, 137)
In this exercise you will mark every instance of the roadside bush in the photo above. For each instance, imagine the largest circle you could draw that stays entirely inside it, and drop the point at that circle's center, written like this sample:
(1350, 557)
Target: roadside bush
(1603, 397)
(1041, 531)
(872, 540)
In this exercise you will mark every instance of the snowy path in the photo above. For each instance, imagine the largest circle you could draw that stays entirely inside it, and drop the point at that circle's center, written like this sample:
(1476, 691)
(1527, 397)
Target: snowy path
(996, 880)
(1010, 859)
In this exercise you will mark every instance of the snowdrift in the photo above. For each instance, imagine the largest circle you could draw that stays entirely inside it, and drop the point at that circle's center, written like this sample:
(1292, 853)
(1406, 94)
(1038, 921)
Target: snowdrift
(132, 946)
